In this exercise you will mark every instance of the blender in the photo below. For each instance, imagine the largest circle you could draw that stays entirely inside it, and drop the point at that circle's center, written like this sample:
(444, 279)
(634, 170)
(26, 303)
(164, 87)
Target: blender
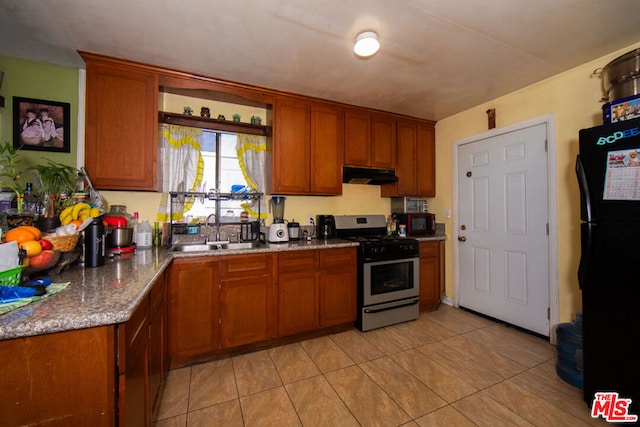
(278, 232)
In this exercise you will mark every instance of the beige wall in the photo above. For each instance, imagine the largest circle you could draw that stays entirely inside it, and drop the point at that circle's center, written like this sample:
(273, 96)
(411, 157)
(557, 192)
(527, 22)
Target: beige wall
(573, 98)
(355, 199)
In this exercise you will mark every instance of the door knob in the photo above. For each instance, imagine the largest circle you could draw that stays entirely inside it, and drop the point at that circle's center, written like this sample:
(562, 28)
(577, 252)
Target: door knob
(462, 238)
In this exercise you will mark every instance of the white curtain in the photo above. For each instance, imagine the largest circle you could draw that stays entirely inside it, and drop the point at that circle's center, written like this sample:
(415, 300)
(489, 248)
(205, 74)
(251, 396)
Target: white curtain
(182, 167)
(252, 153)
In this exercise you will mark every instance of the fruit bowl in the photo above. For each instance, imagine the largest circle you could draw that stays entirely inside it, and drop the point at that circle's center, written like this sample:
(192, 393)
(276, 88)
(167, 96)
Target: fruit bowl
(44, 261)
(63, 243)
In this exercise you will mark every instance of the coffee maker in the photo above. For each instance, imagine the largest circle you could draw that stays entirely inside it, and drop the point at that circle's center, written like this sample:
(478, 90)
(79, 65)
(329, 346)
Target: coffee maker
(278, 231)
(325, 227)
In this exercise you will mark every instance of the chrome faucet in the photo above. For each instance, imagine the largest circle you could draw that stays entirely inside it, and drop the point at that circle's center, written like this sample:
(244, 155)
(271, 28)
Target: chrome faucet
(217, 224)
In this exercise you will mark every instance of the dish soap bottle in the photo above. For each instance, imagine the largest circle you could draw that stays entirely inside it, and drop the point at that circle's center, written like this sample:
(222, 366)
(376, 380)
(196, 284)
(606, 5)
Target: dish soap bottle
(143, 239)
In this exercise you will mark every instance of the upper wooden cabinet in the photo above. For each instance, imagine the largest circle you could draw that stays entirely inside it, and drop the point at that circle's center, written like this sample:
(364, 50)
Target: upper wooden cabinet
(370, 139)
(121, 143)
(415, 160)
(307, 147)
(311, 139)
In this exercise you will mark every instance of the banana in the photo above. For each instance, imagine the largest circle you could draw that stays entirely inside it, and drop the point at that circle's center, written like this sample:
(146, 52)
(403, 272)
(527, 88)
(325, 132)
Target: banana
(94, 212)
(79, 207)
(67, 212)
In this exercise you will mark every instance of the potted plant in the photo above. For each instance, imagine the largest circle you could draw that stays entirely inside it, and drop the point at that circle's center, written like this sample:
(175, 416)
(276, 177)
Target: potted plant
(54, 180)
(9, 173)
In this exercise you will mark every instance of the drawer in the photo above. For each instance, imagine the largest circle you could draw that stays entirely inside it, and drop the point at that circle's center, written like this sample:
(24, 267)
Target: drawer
(239, 266)
(297, 261)
(338, 257)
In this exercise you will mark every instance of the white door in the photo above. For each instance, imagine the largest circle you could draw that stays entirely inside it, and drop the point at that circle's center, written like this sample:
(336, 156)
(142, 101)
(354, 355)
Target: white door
(503, 228)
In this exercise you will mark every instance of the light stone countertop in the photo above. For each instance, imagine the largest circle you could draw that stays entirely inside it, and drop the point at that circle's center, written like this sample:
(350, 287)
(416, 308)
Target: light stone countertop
(110, 294)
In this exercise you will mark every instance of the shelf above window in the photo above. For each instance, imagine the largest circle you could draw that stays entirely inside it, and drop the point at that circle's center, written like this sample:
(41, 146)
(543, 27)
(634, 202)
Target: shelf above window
(213, 124)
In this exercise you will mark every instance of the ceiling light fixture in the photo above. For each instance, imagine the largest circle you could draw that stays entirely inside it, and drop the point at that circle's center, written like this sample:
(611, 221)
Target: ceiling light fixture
(366, 44)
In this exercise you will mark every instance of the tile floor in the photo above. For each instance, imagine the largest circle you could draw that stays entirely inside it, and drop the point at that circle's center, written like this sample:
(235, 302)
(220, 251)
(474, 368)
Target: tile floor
(448, 368)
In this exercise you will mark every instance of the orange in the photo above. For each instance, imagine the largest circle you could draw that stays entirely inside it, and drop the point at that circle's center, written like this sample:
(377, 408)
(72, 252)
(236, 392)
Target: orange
(32, 247)
(76, 222)
(19, 234)
(36, 231)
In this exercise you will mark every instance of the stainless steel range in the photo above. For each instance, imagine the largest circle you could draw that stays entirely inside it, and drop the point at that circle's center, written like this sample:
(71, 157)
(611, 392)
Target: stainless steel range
(388, 271)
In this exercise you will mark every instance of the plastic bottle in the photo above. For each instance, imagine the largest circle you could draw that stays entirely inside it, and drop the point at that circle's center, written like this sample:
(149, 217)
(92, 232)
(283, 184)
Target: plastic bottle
(134, 224)
(144, 239)
(30, 203)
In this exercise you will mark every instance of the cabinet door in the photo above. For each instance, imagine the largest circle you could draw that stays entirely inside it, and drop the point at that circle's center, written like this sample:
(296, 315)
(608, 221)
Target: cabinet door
(327, 149)
(291, 147)
(193, 306)
(134, 405)
(121, 144)
(64, 378)
(357, 138)
(406, 170)
(383, 142)
(430, 291)
(338, 281)
(133, 367)
(247, 299)
(426, 162)
(298, 299)
(157, 343)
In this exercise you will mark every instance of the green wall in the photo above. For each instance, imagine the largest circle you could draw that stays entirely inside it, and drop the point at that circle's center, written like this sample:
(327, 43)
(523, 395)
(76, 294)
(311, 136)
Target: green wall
(38, 80)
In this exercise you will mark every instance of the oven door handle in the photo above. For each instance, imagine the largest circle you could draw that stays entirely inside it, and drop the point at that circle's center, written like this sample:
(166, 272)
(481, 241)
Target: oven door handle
(378, 310)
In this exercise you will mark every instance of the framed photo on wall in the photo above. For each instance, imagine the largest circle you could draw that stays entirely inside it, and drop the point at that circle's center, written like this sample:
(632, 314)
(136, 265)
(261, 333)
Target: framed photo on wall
(41, 125)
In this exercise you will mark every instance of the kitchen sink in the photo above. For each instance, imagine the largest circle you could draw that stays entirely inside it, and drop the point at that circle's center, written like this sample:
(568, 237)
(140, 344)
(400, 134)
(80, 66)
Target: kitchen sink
(214, 246)
(243, 245)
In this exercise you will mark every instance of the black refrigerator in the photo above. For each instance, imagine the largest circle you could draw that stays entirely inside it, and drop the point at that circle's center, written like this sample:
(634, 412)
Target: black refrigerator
(608, 169)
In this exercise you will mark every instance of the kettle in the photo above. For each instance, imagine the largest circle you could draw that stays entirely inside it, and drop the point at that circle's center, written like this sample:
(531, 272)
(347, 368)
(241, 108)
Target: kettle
(325, 226)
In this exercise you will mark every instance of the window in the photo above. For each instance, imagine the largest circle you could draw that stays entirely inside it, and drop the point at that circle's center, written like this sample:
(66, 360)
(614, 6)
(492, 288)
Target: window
(222, 171)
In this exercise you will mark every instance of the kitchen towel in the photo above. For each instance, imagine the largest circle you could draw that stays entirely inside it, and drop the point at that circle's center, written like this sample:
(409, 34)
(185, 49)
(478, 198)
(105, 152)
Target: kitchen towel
(51, 289)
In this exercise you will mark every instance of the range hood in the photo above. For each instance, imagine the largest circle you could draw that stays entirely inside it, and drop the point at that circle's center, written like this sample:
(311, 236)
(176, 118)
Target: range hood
(351, 175)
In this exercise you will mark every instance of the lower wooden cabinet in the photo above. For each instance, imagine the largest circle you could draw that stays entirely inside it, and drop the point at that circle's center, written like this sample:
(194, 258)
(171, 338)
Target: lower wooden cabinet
(338, 278)
(316, 289)
(59, 379)
(193, 306)
(430, 275)
(298, 299)
(222, 302)
(158, 356)
(247, 299)
(142, 359)
(101, 376)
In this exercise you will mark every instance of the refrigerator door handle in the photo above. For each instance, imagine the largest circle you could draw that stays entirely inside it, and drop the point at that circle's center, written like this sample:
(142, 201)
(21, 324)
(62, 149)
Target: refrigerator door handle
(586, 231)
(585, 197)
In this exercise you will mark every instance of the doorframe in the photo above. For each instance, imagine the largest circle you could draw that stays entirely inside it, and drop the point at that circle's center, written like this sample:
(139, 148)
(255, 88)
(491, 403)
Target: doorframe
(552, 207)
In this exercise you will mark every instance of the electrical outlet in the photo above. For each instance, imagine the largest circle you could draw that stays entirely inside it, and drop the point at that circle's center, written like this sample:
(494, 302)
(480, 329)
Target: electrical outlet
(311, 220)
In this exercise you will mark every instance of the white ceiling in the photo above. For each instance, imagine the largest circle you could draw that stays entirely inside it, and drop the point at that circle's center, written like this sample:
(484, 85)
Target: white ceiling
(438, 57)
